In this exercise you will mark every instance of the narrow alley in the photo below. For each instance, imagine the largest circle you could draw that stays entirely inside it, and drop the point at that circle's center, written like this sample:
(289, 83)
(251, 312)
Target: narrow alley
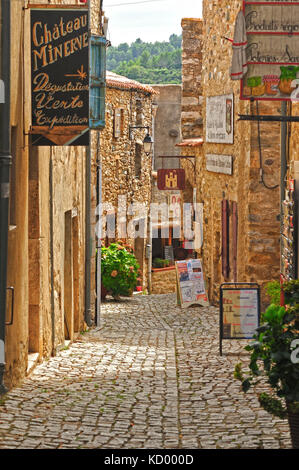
(150, 377)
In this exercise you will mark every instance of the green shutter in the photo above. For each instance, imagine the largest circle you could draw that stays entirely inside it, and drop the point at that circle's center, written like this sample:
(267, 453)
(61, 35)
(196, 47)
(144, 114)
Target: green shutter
(97, 82)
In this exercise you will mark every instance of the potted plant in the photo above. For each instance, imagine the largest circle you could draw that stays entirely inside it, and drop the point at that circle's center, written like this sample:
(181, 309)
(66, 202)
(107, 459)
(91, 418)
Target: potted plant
(119, 270)
(139, 285)
(272, 356)
(160, 263)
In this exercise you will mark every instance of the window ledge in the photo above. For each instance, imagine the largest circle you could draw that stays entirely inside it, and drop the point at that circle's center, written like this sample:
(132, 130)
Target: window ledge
(168, 268)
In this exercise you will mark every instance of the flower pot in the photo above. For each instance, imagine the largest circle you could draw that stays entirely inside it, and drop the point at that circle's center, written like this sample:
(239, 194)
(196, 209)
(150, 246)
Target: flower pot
(293, 419)
(139, 288)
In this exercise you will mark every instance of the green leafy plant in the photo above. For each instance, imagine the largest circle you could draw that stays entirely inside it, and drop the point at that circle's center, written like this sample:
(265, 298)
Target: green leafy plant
(160, 263)
(291, 295)
(158, 62)
(270, 357)
(273, 291)
(119, 270)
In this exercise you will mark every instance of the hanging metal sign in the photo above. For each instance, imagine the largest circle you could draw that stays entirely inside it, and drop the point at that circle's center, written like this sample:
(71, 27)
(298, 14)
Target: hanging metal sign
(239, 310)
(59, 76)
(171, 179)
(272, 30)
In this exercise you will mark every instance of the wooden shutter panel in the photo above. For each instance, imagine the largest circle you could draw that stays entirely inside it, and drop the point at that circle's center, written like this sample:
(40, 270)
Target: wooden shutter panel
(235, 239)
(97, 82)
(225, 238)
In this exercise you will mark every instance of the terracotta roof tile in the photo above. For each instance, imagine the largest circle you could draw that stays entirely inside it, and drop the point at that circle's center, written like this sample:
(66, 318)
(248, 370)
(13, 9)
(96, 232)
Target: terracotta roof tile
(115, 80)
(191, 143)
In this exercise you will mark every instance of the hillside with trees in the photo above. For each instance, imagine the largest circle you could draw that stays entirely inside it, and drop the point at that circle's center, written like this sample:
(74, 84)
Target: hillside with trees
(153, 63)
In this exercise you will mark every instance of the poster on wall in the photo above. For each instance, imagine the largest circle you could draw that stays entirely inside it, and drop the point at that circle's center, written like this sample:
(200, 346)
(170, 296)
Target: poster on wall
(59, 76)
(220, 119)
(239, 310)
(272, 31)
(191, 288)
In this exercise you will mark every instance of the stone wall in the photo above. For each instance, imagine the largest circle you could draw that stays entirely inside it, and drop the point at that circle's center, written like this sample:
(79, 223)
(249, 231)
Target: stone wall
(257, 207)
(163, 281)
(167, 129)
(118, 155)
(47, 236)
(191, 77)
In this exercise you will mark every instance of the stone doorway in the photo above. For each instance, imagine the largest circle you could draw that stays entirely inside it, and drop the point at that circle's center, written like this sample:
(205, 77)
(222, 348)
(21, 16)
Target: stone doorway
(76, 297)
(71, 275)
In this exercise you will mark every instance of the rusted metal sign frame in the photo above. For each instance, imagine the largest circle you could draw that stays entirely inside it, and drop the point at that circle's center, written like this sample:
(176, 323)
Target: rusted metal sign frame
(263, 98)
(180, 157)
(241, 286)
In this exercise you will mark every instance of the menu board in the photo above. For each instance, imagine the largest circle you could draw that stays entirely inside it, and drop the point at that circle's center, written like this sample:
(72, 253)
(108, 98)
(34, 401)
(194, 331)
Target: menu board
(272, 30)
(59, 76)
(240, 313)
(289, 233)
(190, 283)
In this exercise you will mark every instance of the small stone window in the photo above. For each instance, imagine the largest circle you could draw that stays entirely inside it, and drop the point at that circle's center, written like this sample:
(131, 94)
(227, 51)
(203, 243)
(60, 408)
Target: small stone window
(118, 122)
(139, 113)
(138, 159)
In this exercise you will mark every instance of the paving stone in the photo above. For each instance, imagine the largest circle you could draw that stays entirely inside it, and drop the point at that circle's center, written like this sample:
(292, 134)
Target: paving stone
(149, 377)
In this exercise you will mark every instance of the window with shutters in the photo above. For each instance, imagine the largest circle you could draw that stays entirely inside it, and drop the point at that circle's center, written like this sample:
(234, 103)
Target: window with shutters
(235, 239)
(118, 122)
(225, 238)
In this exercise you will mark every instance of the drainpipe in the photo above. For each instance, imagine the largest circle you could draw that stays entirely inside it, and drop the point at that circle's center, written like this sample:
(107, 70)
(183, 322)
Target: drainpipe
(5, 164)
(99, 247)
(88, 241)
(283, 172)
(52, 249)
(283, 152)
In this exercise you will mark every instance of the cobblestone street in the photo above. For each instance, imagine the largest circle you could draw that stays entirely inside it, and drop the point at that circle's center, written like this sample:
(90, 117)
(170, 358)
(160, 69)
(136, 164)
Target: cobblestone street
(149, 378)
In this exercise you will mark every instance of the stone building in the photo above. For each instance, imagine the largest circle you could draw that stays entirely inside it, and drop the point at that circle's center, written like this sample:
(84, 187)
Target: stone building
(47, 223)
(241, 215)
(126, 170)
(167, 133)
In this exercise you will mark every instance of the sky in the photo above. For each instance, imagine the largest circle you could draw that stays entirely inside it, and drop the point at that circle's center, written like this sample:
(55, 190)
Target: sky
(149, 20)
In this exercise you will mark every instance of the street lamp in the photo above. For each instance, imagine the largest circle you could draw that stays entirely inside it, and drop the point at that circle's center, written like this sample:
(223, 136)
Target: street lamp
(147, 141)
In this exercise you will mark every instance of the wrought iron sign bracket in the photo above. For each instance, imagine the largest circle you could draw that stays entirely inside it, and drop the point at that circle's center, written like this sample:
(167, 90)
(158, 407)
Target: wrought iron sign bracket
(137, 127)
(180, 157)
(267, 118)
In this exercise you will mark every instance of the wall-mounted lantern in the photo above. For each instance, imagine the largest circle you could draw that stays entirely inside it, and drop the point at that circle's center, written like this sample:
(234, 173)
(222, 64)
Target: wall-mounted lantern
(147, 141)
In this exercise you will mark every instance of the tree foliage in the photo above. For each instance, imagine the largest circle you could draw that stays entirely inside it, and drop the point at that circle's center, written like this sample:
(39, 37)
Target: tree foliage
(157, 62)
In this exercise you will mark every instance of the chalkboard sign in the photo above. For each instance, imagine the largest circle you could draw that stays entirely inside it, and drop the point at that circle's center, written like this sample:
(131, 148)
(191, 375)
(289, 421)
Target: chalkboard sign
(59, 76)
